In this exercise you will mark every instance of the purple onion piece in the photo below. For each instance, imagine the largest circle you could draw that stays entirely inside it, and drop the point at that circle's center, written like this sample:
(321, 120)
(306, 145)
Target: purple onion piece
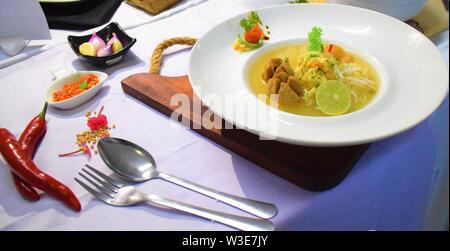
(112, 39)
(105, 51)
(97, 41)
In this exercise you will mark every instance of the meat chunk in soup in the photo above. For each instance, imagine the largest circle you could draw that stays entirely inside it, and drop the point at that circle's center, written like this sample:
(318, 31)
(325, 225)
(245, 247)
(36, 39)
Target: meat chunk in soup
(268, 72)
(274, 85)
(287, 96)
(295, 86)
(279, 77)
(282, 76)
(275, 62)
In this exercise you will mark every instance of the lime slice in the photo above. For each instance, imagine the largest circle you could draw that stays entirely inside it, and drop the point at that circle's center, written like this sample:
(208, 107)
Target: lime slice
(333, 97)
(87, 49)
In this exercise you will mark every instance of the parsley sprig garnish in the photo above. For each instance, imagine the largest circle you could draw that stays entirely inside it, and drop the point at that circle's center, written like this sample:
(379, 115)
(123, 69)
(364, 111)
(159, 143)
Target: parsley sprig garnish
(315, 40)
(251, 20)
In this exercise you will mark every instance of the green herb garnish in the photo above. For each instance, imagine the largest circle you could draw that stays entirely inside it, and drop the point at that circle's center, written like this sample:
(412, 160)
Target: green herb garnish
(83, 85)
(315, 40)
(250, 45)
(251, 20)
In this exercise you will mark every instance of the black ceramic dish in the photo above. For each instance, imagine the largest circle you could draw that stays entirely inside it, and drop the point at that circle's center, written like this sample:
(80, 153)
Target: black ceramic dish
(105, 34)
(69, 7)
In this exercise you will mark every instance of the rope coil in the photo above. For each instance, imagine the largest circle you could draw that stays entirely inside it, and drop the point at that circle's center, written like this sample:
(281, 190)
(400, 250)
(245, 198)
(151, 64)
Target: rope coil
(157, 56)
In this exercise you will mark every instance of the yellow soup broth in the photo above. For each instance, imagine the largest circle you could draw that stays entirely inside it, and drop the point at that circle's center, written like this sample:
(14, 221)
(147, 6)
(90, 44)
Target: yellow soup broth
(292, 51)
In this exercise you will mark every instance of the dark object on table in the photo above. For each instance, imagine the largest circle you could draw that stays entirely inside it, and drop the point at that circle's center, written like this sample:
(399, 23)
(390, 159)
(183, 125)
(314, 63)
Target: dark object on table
(79, 15)
(153, 6)
(415, 25)
(105, 34)
(312, 168)
(445, 2)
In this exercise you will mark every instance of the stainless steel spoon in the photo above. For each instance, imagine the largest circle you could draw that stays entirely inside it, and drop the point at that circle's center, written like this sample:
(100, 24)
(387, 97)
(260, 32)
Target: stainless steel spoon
(135, 164)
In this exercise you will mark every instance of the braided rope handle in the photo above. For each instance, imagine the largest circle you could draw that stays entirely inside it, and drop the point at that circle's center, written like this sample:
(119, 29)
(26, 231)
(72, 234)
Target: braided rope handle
(157, 56)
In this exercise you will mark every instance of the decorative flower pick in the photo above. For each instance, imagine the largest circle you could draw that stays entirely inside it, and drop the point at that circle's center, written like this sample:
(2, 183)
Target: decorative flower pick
(98, 128)
(84, 149)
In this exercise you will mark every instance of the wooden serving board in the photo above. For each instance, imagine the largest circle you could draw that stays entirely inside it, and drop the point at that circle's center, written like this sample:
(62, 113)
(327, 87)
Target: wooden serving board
(312, 168)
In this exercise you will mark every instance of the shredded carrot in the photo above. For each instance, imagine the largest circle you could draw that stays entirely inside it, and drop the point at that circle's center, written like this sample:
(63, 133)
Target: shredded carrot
(74, 88)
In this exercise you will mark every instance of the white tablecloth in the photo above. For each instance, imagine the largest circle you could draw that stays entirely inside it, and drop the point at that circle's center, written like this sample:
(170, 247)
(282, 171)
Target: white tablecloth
(388, 189)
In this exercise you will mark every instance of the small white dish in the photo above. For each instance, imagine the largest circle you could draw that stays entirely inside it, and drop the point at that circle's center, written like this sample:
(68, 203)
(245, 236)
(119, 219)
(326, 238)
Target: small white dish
(81, 98)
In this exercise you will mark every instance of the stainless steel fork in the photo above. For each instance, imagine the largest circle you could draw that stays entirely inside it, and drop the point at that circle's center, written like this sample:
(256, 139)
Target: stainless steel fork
(117, 193)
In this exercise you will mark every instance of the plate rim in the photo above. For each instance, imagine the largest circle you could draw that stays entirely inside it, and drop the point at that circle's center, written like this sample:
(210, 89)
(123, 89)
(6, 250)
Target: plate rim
(328, 142)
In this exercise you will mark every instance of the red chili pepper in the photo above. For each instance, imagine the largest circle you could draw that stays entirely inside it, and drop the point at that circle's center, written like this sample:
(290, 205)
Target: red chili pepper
(34, 132)
(26, 190)
(22, 165)
(30, 138)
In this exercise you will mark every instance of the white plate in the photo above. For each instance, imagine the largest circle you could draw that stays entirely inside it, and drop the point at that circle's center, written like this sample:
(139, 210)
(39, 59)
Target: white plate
(81, 98)
(414, 74)
(400, 9)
